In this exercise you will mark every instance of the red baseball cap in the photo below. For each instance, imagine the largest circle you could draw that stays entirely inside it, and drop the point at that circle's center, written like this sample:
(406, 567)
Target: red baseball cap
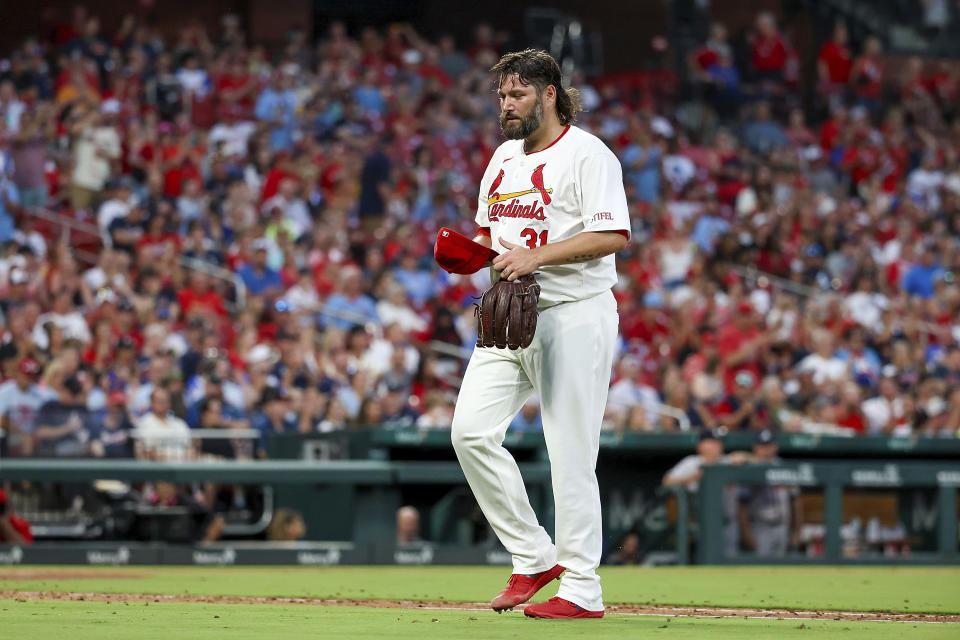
(456, 253)
(731, 279)
(28, 366)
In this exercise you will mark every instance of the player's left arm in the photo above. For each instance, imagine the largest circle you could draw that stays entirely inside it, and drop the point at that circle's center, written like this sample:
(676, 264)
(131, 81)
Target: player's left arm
(606, 222)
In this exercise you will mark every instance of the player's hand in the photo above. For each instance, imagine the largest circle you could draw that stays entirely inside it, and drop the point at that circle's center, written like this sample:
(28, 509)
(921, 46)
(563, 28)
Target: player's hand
(518, 261)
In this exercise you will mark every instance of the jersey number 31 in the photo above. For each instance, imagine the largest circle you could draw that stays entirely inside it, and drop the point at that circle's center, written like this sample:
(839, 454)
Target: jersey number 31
(531, 236)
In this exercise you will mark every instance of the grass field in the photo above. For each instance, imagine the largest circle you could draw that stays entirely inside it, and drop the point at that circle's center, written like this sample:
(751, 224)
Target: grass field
(24, 614)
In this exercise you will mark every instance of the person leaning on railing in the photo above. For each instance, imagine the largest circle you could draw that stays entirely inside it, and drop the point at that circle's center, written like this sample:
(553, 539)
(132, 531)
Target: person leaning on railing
(688, 472)
(112, 439)
(768, 516)
(160, 434)
(63, 425)
(20, 400)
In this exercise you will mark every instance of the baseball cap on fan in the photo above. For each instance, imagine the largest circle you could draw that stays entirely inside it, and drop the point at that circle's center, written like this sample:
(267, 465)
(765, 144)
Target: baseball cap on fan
(18, 276)
(745, 379)
(261, 353)
(28, 366)
(654, 300)
(661, 126)
(110, 106)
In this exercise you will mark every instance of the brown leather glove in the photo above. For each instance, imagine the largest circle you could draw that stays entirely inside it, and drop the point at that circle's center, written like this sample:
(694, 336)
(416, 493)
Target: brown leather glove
(508, 313)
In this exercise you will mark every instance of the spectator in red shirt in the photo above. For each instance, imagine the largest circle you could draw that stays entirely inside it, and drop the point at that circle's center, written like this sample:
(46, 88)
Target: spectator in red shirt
(200, 299)
(866, 76)
(649, 323)
(430, 69)
(715, 48)
(739, 344)
(943, 82)
(861, 157)
(740, 409)
(916, 89)
(834, 62)
(848, 412)
(830, 129)
(158, 238)
(768, 51)
(484, 42)
(237, 87)
(179, 161)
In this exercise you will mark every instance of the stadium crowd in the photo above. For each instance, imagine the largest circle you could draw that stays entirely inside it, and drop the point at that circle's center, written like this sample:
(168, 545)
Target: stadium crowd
(793, 263)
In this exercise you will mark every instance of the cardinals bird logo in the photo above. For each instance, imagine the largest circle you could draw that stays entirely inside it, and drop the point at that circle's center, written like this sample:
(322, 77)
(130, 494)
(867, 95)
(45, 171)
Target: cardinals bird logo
(493, 187)
(536, 179)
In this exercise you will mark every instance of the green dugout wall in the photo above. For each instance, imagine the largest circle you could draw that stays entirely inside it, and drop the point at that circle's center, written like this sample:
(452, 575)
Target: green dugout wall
(834, 478)
(348, 486)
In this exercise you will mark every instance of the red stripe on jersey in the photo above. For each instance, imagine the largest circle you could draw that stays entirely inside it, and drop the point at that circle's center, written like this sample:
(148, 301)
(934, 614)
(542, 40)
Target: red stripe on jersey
(483, 231)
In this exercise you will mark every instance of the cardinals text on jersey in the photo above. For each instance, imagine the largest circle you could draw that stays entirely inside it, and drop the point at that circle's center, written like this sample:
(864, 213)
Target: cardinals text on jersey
(570, 186)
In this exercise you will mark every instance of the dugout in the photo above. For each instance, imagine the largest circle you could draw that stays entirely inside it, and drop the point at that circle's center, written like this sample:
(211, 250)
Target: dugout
(348, 486)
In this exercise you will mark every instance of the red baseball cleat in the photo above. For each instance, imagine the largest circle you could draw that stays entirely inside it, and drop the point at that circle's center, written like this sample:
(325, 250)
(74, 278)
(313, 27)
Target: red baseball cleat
(559, 608)
(521, 588)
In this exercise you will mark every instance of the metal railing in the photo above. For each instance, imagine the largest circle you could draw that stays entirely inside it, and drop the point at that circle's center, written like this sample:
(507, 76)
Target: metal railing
(448, 349)
(752, 274)
(187, 446)
(201, 434)
(350, 316)
(683, 421)
(90, 517)
(69, 224)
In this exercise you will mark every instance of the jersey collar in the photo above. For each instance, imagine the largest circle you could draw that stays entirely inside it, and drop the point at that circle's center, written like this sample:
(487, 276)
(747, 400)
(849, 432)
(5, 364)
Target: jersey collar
(562, 133)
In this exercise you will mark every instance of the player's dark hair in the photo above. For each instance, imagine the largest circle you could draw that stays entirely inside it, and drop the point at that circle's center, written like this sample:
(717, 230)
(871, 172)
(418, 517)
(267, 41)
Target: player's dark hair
(537, 67)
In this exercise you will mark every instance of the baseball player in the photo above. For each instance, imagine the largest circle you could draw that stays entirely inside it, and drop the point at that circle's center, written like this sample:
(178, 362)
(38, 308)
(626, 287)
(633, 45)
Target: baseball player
(766, 512)
(553, 207)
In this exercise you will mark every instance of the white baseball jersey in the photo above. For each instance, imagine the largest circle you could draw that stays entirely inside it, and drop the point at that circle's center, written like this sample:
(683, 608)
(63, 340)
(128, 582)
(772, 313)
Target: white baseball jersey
(530, 199)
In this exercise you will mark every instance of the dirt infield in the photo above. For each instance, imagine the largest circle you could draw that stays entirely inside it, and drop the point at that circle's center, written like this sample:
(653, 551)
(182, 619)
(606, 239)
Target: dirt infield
(622, 609)
(68, 574)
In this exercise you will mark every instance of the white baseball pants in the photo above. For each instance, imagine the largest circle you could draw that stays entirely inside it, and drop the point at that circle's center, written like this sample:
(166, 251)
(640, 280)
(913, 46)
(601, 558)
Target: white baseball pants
(568, 365)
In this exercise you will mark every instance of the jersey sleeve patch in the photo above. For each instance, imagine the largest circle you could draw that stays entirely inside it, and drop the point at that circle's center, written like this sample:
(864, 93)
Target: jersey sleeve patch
(604, 201)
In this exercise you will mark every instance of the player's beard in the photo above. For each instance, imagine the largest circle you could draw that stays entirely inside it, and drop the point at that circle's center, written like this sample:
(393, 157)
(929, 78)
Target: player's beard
(523, 129)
